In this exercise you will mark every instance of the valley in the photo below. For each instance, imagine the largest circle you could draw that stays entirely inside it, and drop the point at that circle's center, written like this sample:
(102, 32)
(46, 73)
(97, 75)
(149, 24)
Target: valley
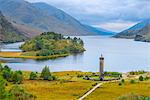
(74, 50)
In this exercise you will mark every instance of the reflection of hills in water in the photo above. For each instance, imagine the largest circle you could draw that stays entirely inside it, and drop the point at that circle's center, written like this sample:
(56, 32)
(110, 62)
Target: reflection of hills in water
(12, 60)
(114, 50)
(11, 47)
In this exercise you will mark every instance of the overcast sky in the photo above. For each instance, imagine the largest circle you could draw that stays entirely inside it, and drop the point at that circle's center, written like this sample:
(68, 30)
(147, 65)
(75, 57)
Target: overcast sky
(114, 15)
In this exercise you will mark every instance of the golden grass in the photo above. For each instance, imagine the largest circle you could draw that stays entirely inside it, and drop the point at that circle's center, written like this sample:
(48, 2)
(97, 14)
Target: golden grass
(55, 90)
(21, 55)
(10, 54)
(72, 73)
(70, 87)
(112, 91)
(67, 87)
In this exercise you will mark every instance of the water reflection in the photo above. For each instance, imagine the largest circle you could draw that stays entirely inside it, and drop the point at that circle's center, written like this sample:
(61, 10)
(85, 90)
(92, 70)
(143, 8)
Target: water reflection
(120, 55)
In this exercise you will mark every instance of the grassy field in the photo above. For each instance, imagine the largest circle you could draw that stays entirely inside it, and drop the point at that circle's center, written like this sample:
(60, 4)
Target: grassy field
(112, 91)
(67, 87)
(22, 55)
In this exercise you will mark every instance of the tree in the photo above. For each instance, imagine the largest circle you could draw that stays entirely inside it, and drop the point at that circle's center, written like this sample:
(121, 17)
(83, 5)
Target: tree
(38, 44)
(75, 40)
(68, 38)
(7, 68)
(45, 73)
(7, 74)
(122, 81)
(132, 81)
(2, 88)
(81, 42)
(17, 77)
(141, 78)
(33, 76)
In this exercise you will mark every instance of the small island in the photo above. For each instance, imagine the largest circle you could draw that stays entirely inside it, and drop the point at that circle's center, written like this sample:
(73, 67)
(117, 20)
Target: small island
(48, 45)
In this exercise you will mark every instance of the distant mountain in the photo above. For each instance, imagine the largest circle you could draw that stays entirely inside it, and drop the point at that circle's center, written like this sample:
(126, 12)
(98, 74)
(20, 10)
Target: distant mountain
(99, 31)
(67, 19)
(8, 33)
(43, 17)
(143, 34)
(139, 32)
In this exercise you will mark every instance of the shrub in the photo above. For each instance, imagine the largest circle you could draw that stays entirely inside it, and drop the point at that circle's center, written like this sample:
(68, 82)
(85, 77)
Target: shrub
(7, 74)
(132, 97)
(146, 78)
(33, 76)
(115, 74)
(137, 72)
(17, 77)
(122, 81)
(141, 78)
(94, 84)
(132, 81)
(54, 77)
(1, 67)
(6, 68)
(50, 78)
(86, 78)
(2, 88)
(79, 75)
(17, 93)
(44, 52)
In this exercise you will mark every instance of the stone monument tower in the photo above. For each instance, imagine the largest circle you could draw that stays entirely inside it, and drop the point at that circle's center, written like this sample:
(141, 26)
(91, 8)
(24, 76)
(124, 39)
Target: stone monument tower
(101, 69)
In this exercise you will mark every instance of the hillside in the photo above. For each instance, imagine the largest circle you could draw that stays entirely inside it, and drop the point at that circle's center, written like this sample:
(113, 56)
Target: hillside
(8, 33)
(43, 17)
(143, 34)
(139, 32)
(69, 20)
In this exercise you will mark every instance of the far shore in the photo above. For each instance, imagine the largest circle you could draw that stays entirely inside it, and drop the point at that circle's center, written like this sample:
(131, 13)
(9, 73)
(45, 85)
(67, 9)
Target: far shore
(20, 55)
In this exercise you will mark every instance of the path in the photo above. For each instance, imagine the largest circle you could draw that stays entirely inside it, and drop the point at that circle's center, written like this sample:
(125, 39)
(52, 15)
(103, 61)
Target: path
(89, 92)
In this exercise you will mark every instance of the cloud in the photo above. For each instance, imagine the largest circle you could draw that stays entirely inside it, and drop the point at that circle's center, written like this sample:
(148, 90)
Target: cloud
(96, 12)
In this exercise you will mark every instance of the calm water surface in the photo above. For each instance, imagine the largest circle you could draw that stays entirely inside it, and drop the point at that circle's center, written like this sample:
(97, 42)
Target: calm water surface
(120, 55)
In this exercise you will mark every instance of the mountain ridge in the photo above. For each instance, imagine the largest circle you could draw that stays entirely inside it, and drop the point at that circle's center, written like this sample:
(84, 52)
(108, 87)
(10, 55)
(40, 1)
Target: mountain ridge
(138, 32)
(35, 16)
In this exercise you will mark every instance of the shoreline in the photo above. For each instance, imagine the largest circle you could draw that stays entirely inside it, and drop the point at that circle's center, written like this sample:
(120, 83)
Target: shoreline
(19, 55)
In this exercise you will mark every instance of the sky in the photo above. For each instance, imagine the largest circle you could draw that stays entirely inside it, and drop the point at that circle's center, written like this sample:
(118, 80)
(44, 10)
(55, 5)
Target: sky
(114, 15)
